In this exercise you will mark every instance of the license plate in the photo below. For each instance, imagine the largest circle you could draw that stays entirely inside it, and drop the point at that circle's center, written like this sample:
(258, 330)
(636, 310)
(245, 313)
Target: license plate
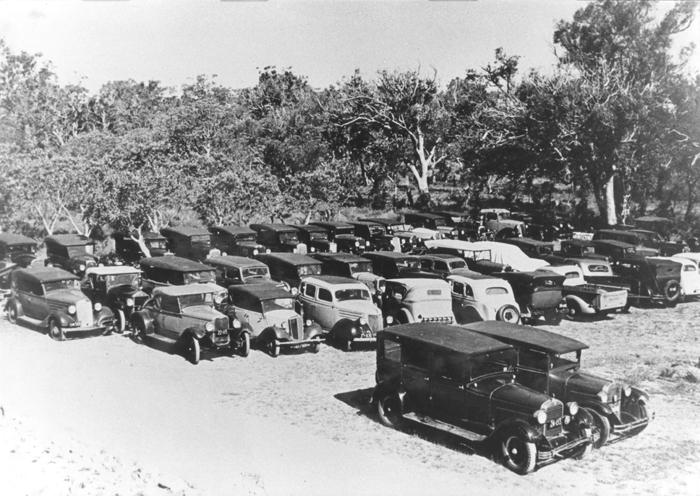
(555, 423)
(221, 332)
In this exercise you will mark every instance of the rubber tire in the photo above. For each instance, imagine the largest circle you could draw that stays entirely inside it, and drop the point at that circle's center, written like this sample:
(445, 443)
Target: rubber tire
(347, 345)
(552, 317)
(55, 332)
(120, 325)
(506, 310)
(573, 310)
(273, 347)
(586, 450)
(603, 425)
(672, 293)
(388, 411)
(244, 348)
(11, 310)
(192, 350)
(316, 347)
(519, 454)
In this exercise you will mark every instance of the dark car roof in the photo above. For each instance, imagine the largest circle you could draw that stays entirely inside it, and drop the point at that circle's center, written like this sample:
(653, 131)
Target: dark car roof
(69, 240)
(448, 337)
(613, 242)
(340, 257)
(233, 229)
(364, 223)
(381, 220)
(259, 291)
(332, 223)
(275, 227)
(616, 232)
(15, 239)
(146, 235)
(45, 274)
(393, 255)
(173, 262)
(533, 337)
(308, 228)
(440, 256)
(424, 215)
(234, 261)
(533, 274)
(577, 242)
(291, 258)
(184, 231)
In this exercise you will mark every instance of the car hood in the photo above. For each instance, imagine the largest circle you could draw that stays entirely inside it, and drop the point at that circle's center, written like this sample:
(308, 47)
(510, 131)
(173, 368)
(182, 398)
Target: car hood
(277, 317)
(203, 312)
(67, 296)
(124, 291)
(358, 307)
(525, 398)
(582, 382)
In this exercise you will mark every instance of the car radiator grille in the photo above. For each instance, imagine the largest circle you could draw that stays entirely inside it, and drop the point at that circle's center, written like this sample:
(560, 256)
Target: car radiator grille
(221, 323)
(555, 414)
(295, 328)
(83, 312)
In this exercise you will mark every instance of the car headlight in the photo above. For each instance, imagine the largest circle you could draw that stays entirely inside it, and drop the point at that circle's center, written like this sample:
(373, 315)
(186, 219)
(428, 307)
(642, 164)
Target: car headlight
(71, 309)
(255, 251)
(572, 406)
(357, 243)
(627, 390)
(308, 322)
(389, 319)
(353, 331)
(218, 299)
(129, 302)
(223, 254)
(98, 306)
(366, 243)
(541, 416)
(295, 291)
(208, 327)
(236, 324)
(313, 249)
(363, 321)
(81, 267)
(268, 250)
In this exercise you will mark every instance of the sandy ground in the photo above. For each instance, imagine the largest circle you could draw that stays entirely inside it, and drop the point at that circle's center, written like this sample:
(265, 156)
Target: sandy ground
(109, 416)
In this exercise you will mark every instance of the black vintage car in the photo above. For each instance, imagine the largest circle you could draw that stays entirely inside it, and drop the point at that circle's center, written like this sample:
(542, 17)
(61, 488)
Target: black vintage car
(649, 280)
(72, 252)
(577, 248)
(278, 237)
(431, 221)
(239, 270)
(315, 238)
(539, 294)
(467, 228)
(236, 240)
(551, 363)
(532, 247)
(654, 240)
(189, 242)
(613, 249)
(392, 265)
(391, 224)
(626, 236)
(128, 250)
(174, 271)
(373, 232)
(16, 252)
(463, 383)
(442, 264)
(118, 288)
(290, 268)
(343, 235)
(355, 266)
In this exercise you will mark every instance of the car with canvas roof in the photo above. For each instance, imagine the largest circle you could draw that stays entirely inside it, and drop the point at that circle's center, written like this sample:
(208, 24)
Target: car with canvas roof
(232, 269)
(315, 238)
(175, 271)
(279, 238)
(354, 266)
(117, 287)
(189, 242)
(290, 268)
(72, 252)
(442, 264)
(392, 265)
(236, 240)
(127, 249)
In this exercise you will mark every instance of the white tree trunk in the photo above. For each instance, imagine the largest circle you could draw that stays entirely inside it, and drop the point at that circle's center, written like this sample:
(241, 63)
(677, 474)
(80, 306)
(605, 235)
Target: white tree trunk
(141, 241)
(610, 201)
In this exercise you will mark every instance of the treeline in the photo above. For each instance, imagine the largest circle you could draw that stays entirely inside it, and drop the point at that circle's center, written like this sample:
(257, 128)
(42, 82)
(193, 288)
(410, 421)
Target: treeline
(617, 120)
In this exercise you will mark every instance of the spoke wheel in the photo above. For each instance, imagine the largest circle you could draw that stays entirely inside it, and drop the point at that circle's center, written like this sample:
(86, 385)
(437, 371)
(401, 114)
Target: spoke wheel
(192, 351)
(12, 313)
(519, 454)
(601, 433)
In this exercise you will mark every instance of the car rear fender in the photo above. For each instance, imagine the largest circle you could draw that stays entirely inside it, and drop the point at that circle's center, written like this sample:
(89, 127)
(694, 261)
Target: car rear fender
(145, 318)
(580, 302)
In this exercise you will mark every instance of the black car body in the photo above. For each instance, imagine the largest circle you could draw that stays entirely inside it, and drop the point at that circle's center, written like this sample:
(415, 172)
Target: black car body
(16, 252)
(575, 248)
(231, 270)
(278, 237)
(189, 242)
(613, 249)
(236, 240)
(355, 266)
(343, 235)
(118, 288)
(539, 294)
(390, 224)
(532, 247)
(467, 229)
(431, 221)
(373, 232)
(72, 252)
(654, 240)
(392, 265)
(174, 271)
(649, 280)
(551, 363)
(128, 251)
(315, 238)
(462, 382)
(626, 236)
(442, 264)
(290, 268)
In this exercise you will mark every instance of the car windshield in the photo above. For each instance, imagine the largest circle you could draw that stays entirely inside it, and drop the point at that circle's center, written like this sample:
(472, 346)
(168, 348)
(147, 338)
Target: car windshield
(356, 267)
(441, 222)
(76, 251)
(158, 244)
(408, 263)
(352, 294)
(344, 230)
(202, 276)
(492, 364)
(201, 238)
(255, 272)
(319, 235)
(565, 361)
(192, 300)
(113, 280)
(277, 304)
(245, 237)
(288, 237)
(64, 284)
(309, 270)
(376, 230)
(458, 264)
(599, 268)
(21, 249)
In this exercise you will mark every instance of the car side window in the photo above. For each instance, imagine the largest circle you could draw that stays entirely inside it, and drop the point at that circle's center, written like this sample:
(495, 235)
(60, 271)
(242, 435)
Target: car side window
(425, 264)
(392, 350)
(441, 266)
(450, 366)
(169, 304)
(468, 290)
(457, 287)
(35, 288)
(416, 355)
(324, 295)
(310, 290)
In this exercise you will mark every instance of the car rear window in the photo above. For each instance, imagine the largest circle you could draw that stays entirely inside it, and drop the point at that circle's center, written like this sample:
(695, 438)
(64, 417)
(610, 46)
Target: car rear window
(496, 291)
(434, 292)
(571, 275)
(689, 268)
(598, 268)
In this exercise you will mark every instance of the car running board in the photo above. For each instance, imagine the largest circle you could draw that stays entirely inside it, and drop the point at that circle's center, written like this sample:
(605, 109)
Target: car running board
(157, 337)
(445, 427)
(29, 320)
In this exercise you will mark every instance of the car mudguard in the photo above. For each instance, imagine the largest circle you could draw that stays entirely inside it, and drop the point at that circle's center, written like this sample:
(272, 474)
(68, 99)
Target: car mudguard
(342, 330)
(106, 314)
(63, 319)
(388, 387)
(145, 318)
(279, 334)
(583, 305)
(528, 431)
(598, 406)
(313, 331)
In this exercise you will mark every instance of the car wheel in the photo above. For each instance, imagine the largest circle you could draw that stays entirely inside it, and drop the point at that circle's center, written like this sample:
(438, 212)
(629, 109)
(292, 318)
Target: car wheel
(12, 313)
(601, 433)
(585, 450)
(508, 313)
(573, 311)
(55, 331)
(672, 292)
(316, 347)
(192, 351)
(273, 347)
(389, 411)
(244, 348)
(519, 454)
(552, 317)
(121, 321)
(347, 346)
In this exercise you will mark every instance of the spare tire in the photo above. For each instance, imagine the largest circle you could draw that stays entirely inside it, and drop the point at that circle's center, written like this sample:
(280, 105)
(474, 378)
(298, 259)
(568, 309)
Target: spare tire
(508, 313)
(672, 292)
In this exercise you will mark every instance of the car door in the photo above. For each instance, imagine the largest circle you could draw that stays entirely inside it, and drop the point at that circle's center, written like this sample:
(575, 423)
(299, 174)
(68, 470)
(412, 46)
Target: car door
(31, 296)
(325, 310)
(307, 296)
(168, 318)
(447, 386)
(415, 375)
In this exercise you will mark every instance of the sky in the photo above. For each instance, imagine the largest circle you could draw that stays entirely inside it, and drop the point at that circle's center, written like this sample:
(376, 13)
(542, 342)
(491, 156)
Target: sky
(173, 41)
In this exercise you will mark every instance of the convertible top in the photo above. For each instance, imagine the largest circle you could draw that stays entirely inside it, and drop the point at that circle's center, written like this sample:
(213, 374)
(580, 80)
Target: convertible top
(447, 337)
(532, 337)
(44, 274)
(173, 262)
(259, 291)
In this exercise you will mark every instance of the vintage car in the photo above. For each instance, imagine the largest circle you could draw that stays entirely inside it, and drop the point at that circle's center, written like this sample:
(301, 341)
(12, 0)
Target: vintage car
(584, 299)
(467, 228)
(50, 297)
(269, 315)
(172, 270)
(343, 235)
(551, 364)
(649, 280)
(390, 224)
(463, 383)
(72, 252)
(391, 265)
(236, 240)
(654, 240)
(487, 256)
(290, 268)
(189, 242)
(498, 221)
(441, 264)
(417, 300)
(625, 236)
(354, 266)
(16, 251)
(479, 297)
(595, 270)
(431, 221)
(238, 270)
(575, 248)
(343, 307)
(614, 250)
(279, 238)
(315, 238)
(539, 293)
(185, 320)
(127, 250)
(373, 232)
(690, 277)
(118, 288)
(532, 247)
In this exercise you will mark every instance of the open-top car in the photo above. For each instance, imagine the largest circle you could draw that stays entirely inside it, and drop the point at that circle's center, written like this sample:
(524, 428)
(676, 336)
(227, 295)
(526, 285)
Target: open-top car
(539, 294)
(343, 235)
(480, 297)
(72, 252)
(290, 268)
(551, 363)
(185, 319)
(279, 238)
(417, 300)
(463, 383)
(189, 242)
(236, 240)
(269, 315)
(16, 251)
(239, 270)
(354, 266)
(118, 288)
(343, 307)
(127, 249)
(51, 298)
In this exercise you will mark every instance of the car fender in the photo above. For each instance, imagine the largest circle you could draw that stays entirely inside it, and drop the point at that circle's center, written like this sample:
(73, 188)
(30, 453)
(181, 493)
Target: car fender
(407, 315)
(104, 314)
(145, 318)
(313, 331)
(389, 387)
(197, 333)
(17, 304)
(342, 329)
(529, 432)
(279, 333)
(63, 319)
(639, 395)
(582, 304)
(598, 406)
